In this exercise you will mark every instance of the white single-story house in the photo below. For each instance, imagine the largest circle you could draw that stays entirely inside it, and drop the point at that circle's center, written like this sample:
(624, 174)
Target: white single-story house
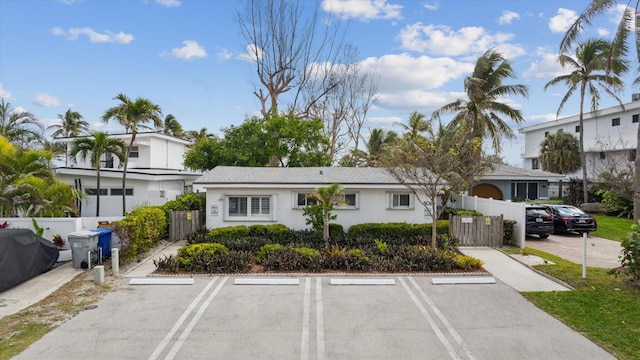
(155, 175)
(269, 195)
(507, 182)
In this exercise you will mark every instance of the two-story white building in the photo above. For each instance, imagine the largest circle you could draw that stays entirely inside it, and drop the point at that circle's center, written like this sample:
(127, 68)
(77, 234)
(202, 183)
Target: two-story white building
(609, 132)
(155, 174)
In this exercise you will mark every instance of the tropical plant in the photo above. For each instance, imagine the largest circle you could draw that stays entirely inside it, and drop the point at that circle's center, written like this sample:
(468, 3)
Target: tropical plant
(481, 113)
(93, 148)
(328, 197)
(560, 153)
(171, 126)
(628, 20)
(378, 139)
(19, 127)
(417, 125)
(132, 115)
(16, 165)
(71, 125)
(199, 135)
(588, 73)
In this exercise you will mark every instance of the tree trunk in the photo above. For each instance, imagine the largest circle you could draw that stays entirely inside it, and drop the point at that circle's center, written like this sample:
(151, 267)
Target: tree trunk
(636, 182)
(325, 229)
(98, 191)
(124, 174)
(583, 156)
(434, 233)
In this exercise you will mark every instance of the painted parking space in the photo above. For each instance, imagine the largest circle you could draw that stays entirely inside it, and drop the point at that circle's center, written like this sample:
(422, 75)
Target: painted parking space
(411, 319)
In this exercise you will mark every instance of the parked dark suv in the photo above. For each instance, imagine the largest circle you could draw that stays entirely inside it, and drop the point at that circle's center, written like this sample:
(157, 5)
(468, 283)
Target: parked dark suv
(539, 221)
(567, 218)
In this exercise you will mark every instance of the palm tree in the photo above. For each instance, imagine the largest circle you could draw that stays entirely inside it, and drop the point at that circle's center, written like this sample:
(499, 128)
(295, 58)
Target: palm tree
(418, 124)
(560, 153)
(377, 140)
(328, 198)
(19, 127)
(196, 136)
(71, 125)
(588, 73)
(93, 148)
(133, 115)
(171, 126)
(480, 114)
(628, 20)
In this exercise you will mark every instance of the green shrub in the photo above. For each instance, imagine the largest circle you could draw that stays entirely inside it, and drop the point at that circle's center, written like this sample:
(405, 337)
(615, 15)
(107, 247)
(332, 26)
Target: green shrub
(277, 233)
(465, 262)
(186, 202)
(508, 227)
(265, 250)
(381, 246)
(394, 233)
(190, 256)
(198, 236)
(140, 230)
(630, 258)
(228, 232)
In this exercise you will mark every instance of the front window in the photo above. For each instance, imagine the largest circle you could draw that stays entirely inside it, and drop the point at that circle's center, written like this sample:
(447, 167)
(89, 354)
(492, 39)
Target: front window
(304, 199)
(93, 192)
(615, 122)
(134, 152)
(534, 164)
(350, 201)
(118, 192)
(401, 201)
(249, 206)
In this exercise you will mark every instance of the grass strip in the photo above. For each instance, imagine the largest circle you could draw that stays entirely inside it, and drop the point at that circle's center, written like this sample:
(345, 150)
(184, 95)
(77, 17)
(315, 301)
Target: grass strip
(604, 308)
(612, 228)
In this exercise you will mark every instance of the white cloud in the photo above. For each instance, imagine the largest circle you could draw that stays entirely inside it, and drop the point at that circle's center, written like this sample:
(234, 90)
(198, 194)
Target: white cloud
(4, 94)
(432, 7)
(363, 10)
(190, 50)
(546, 68)
(378, 122)
(442, 40)
(602, 32)
(562, 21)
(507, 17)
(168, 3)
(46, 100)
(252, 54)
(224, 54)
(93, 36)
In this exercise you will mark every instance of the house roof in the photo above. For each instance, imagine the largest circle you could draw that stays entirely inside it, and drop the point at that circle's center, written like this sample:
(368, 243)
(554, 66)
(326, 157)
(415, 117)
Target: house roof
(296, 175)
(127, 136)
(508, 172)
(136, 173)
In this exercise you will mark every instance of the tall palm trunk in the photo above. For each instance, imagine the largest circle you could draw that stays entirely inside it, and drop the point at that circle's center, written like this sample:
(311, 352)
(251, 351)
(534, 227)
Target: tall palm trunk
(124, 174)
(98, 191)
(583, 156)
(636, 186)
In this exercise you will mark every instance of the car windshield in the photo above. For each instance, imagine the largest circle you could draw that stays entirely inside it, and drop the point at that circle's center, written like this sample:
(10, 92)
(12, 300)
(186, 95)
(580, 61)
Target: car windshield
(537, 212)
(567, 210)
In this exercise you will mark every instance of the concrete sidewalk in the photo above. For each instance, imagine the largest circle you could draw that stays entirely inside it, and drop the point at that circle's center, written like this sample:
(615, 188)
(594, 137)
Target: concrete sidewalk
(510, 271)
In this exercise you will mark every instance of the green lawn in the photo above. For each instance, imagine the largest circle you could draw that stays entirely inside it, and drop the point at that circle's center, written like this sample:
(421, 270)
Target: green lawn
(611, 227)
(602, 307)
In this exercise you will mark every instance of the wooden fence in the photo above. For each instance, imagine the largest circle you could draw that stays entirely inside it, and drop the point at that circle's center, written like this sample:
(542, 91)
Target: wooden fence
(477, 230)
(184, 222)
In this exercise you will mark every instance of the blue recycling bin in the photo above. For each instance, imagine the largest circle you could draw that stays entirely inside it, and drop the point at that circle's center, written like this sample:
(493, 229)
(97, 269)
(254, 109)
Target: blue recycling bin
(104, 241)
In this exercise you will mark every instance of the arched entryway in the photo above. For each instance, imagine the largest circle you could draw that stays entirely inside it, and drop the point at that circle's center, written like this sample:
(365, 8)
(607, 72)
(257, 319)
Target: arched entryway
(487, 191)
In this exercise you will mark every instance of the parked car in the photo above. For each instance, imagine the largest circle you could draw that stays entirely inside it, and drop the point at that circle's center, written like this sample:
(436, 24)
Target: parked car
(539, 221)
(567, 218)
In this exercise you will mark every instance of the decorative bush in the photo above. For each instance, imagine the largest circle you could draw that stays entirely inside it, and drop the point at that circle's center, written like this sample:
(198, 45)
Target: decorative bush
(509, 237)
(277, 233)
(139, 231)
(186, 202)
(228, 232)
(630, 258)
(191, 256)
(394, 233)
(468, 263)
(220, 262)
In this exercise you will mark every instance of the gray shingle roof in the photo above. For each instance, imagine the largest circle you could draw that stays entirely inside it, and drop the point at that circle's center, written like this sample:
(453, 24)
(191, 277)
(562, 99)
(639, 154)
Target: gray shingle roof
(516, 173)
(292, 175)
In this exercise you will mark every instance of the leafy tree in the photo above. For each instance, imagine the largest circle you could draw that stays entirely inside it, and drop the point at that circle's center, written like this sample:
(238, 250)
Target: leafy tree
(196, 136)
(378, 139)
(133, 115)
(171, 126)
(328, 198)
(16, 165)
(19, 127)
(629, 20)
(71, 125)
(48, 197)
(417, 125)
(588, 73)
(93, 148)
(560, 153)
(446, 162)
(288, 139)
(481, 113)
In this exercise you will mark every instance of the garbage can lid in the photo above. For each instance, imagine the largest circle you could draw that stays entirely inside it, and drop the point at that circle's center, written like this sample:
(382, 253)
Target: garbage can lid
(102, 230)
(82, 234)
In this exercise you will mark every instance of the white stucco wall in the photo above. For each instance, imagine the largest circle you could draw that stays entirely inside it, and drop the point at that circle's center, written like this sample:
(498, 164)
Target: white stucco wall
(373, 207)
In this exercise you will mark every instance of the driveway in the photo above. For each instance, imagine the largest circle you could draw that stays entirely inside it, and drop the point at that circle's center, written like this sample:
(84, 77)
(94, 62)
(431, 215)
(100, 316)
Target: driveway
(602, 253)
(409, 319)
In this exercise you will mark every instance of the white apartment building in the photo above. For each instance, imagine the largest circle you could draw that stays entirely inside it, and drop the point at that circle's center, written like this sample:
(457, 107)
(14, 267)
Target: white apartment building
(609, 132)
(155, 174)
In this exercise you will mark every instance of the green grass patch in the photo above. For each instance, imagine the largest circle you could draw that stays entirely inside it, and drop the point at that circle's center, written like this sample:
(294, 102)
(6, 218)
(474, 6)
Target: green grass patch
(611, 227)
(602, 307)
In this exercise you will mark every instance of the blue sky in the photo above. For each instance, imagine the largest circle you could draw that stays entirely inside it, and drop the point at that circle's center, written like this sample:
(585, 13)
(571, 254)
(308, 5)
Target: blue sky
(187, 56)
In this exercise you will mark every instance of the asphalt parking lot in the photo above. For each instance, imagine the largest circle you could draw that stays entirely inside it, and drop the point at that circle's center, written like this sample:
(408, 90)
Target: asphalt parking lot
(602, 253)
(410, 319)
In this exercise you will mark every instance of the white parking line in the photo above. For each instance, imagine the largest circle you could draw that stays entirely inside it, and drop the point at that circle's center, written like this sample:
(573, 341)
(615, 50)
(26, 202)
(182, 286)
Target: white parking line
(362, 282)
(182, 318)
(185, 333)
(304, 342)
(443, 319)
(319, 321)
(432, 323)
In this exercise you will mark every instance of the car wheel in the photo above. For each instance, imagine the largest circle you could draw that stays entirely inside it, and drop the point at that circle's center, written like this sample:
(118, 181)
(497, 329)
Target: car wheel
(543, 236)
